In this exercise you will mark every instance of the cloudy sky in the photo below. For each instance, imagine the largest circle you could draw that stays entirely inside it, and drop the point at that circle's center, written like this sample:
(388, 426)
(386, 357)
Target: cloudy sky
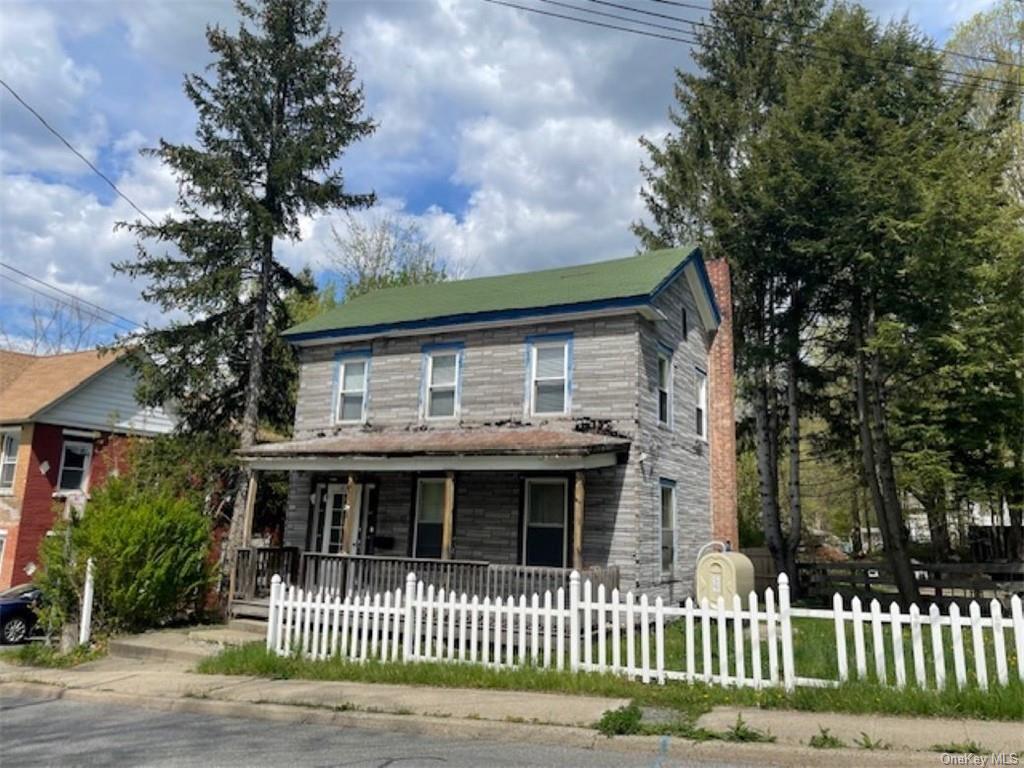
(511, 137)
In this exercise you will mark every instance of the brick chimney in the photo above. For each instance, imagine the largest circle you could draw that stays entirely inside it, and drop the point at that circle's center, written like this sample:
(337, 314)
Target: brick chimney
(721, 412)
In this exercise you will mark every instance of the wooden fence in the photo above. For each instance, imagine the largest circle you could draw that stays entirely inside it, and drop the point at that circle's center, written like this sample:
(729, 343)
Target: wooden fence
(747, 643)
(941, 583)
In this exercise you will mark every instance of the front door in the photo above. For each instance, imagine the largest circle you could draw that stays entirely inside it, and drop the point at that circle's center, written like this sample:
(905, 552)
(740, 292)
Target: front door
(332, 533)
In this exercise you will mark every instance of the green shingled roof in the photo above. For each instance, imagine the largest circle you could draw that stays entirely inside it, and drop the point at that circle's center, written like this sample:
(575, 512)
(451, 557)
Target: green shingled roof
(634, 276)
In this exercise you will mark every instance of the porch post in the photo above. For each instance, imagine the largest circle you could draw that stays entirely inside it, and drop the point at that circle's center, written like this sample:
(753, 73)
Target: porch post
(351, 511)
(250, 508)
(446, 520)
(577, 522)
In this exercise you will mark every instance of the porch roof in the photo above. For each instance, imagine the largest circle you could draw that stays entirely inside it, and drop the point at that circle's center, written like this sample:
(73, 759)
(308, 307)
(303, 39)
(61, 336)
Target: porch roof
(483, 448)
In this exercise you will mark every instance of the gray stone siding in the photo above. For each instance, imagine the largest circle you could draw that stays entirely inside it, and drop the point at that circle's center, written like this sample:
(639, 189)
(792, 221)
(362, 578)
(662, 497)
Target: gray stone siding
(493, 378)
(673, 453)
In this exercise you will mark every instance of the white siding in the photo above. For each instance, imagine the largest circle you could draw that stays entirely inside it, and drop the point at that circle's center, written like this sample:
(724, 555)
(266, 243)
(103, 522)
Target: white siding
(107, 402)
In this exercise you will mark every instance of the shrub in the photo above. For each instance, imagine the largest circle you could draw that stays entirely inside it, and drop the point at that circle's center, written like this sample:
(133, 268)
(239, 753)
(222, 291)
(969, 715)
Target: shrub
(622, 721)
(151, 555)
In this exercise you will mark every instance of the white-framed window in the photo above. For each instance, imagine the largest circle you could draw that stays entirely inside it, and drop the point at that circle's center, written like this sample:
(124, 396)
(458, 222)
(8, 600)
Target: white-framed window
(545, 521)
(74, 466)
(353, 373)
(428, 530)
(549, 376)
(667, 500)
(10, 439)
(701, 410)
(665, 388)
(441, 398)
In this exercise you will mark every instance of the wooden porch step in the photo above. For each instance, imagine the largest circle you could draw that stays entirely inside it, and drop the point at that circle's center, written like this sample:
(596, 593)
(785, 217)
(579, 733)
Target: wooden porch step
(250, 609)
(254, 627)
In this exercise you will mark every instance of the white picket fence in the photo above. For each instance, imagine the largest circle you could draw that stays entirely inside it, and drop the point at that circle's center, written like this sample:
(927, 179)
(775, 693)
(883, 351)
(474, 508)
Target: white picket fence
(749, 643)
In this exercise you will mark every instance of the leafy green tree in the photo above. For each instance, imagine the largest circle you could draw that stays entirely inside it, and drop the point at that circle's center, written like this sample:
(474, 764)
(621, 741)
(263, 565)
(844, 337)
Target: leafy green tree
(279, 110)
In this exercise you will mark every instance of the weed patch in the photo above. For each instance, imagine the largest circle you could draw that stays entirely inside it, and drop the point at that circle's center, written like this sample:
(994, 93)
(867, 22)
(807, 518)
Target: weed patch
(825, 740)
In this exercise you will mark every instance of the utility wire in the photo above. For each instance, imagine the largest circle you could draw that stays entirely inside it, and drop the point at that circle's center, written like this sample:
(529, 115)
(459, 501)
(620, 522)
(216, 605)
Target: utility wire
(588, 21)
(80, 156)
(52, 287)
(770, 38)
(776, 18)
(67, 304)
(693, 41)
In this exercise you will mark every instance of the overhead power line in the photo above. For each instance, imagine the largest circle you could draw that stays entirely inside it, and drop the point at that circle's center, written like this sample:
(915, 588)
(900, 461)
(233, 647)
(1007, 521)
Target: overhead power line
(68, 304)
(78, 154)
(864, 56)
(685, 36)
(52, 287)
(776, 18)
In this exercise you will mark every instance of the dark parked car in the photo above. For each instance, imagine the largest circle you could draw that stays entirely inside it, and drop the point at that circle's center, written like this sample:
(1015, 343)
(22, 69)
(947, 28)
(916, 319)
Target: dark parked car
(17, 617)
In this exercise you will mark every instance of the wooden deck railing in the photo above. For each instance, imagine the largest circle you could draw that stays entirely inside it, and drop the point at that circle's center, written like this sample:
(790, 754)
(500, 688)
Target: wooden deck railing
(255, 566)
(347, 574)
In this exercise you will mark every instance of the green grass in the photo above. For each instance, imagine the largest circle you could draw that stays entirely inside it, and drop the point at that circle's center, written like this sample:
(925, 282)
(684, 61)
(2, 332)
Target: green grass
(960, 747)
(40, 655)
(825, 740)
(690, 699)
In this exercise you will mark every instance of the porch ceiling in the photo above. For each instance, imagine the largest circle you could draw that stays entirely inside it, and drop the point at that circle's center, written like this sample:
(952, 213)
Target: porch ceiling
(490, 448)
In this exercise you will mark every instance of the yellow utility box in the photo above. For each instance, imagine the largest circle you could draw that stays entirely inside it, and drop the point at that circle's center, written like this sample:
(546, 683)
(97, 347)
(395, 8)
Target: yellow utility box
(724, 574)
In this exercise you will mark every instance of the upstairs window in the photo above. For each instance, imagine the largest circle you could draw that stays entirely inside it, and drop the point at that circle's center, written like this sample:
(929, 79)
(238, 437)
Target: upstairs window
(352, 376)
(442, 383)
(74, 466)
(701, 411)
(668, 526)
(9, 442)
(664, 388)
(686, 325)
(549, 380)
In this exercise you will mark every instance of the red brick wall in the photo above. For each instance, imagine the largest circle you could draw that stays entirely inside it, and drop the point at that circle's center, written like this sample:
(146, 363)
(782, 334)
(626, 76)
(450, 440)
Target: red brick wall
(39, 510)
(721, 412)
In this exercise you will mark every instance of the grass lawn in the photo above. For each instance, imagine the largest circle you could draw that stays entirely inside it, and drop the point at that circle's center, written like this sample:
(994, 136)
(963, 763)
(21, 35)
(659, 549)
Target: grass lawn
(689, 699)
(41, 655)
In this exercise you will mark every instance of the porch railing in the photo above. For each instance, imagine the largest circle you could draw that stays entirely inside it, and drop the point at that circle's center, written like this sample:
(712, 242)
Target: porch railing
(256, 566)
(348, 574)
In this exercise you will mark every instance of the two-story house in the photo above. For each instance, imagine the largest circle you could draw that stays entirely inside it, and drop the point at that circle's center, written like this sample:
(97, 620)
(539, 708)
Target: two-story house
(64, 420)
(513, 427)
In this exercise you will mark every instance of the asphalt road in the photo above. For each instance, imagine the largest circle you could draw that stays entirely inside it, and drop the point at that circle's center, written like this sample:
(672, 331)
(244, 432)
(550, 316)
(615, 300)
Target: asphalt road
(35, 732)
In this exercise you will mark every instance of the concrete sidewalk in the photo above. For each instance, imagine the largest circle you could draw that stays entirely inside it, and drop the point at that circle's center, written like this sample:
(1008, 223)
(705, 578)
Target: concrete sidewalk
(167, 682)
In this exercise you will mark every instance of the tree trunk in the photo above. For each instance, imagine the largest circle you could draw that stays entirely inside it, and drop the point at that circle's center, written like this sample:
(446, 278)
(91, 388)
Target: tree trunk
(877, 461)
(253, 395)
(765, 439)
(1015, 502)
(855, 533)
(938, 524)
(793, 411)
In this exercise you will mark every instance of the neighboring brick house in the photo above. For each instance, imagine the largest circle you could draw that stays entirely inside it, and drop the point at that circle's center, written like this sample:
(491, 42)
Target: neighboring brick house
(577, 417)
(64, 420)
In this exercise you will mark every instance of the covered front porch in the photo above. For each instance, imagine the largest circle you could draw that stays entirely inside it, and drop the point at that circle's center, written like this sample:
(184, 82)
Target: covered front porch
(490, 512)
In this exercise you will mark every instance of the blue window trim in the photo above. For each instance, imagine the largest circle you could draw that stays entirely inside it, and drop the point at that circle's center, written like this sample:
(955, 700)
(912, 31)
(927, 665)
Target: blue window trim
(459, 348)
(664, 350)
(548, 338)
(363, 353)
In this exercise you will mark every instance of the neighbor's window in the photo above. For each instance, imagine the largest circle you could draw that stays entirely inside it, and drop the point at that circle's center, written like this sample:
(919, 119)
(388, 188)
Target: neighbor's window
(550, 379)
(664, 388)
(668, 526)
(429, 518)
(701, 411)
(351, 390)
(74, 466)
(442, 384)
(9, 442)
